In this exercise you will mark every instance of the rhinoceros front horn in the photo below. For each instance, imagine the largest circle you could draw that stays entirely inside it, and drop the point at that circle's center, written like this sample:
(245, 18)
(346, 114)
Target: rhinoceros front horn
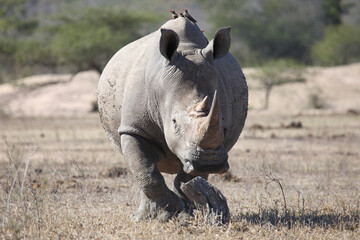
(209, 131)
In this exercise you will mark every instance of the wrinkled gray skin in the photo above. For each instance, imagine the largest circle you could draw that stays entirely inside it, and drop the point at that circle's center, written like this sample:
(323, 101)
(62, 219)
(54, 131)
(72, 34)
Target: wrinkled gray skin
(157, 104)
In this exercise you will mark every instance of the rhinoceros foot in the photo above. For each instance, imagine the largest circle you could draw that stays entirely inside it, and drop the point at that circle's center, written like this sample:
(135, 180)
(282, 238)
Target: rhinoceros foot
(162, 210)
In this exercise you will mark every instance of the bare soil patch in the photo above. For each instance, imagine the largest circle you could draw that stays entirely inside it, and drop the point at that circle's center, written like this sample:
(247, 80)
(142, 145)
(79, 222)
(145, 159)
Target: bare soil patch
(76, 184)
(331, 89)
(50, 95)
(294, 173)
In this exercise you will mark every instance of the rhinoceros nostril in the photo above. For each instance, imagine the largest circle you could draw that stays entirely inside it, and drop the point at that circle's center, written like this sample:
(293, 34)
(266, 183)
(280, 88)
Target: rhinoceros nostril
(225, 131)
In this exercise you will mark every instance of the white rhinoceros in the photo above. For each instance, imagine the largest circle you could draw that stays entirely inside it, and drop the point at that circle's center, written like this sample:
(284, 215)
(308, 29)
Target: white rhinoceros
(173, 102)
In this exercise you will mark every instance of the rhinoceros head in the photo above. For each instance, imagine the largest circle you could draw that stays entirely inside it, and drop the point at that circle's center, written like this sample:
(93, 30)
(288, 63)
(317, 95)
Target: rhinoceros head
(190, 108)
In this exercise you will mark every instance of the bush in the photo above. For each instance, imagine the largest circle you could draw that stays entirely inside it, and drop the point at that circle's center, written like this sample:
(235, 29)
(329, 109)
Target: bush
(15, 24)
(340, 45)
(89, 41)
(271, 29)
(77, 40)
(1, 78)
(316, 99)
(94, 106)
(33, 52)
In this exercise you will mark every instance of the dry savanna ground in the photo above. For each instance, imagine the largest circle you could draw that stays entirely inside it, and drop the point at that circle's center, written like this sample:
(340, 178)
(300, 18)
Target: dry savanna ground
(291, 177)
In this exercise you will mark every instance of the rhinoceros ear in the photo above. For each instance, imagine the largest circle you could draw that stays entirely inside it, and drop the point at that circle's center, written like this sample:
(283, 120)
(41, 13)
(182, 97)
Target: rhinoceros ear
(219, 46)
(169, 42)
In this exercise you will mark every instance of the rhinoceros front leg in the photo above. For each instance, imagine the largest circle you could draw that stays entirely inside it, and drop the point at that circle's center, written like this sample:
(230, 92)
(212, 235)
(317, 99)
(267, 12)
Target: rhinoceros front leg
(157, 200)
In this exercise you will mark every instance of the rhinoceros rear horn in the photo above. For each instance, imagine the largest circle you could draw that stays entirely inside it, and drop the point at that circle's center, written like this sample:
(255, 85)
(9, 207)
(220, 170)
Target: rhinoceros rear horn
(219, 46)
(169, 42)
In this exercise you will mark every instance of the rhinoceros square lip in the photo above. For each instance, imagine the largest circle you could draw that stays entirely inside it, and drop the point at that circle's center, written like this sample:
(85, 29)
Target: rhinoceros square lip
(212, 160)
(205, 169)
(215, 168)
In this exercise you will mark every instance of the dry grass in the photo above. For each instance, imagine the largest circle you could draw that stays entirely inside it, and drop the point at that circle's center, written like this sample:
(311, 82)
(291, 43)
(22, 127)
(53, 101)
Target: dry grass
(61, 178)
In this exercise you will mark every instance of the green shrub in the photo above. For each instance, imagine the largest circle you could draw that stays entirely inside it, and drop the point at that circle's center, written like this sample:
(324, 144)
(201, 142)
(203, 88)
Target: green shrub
(32, 52)
(340, 45)
(316, 99)
(271, 29)
(94, 106)
(89, 40)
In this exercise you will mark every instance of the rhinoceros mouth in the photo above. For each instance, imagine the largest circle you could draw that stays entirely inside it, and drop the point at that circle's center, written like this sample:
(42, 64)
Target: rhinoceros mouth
(212, 161)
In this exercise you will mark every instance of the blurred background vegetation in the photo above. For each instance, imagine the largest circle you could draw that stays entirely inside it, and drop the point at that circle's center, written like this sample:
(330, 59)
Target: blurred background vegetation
(38, 36)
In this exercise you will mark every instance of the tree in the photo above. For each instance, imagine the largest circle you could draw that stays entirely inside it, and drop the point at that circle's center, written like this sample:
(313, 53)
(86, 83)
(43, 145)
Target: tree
(15, 27)
(334, 10)
(275, 73)
(89, 41)
(272, 29)
(340, 45)
(72, 42)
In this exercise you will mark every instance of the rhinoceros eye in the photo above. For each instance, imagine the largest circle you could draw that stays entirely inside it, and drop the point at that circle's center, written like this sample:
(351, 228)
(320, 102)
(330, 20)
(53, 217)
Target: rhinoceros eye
(176, 126)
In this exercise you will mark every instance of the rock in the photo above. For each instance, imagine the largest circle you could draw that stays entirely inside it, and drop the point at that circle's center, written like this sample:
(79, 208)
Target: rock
(208, 199)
